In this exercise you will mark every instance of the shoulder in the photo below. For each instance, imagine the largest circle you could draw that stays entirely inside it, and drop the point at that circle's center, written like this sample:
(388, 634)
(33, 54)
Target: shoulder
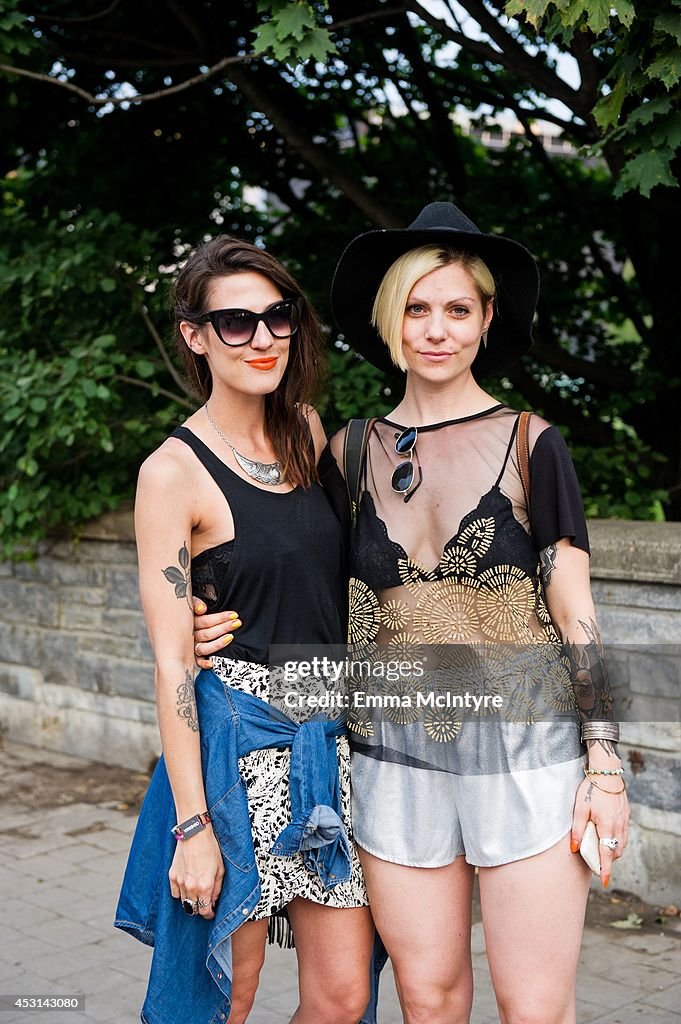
(167, 469)
(536, 427)
(337, 444)
(317, 431)
(546, 441)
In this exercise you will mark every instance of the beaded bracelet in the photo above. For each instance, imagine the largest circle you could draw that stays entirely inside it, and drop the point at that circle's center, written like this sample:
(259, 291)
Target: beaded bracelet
(610, 792)
(604, 771)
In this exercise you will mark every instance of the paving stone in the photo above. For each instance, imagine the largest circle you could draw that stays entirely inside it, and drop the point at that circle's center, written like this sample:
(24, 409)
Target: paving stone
(65, 933)
(109, 840)
(8, 937)
(477, 939)
(17, 914)
(136, 966)
(28, 951)
(667, 999)
(638, 1013)
(646, 977)
(605, 992)
(104, 863)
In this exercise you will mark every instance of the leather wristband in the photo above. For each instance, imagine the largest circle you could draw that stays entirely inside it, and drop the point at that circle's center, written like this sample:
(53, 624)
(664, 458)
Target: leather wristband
(191, 826)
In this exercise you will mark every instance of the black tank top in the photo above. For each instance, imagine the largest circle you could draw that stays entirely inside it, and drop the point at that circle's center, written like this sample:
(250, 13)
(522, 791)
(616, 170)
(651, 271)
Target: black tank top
(283, 572)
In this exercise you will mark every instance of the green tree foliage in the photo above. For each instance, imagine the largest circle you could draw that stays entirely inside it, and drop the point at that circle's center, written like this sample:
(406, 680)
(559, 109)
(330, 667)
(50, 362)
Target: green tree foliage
(133, 131)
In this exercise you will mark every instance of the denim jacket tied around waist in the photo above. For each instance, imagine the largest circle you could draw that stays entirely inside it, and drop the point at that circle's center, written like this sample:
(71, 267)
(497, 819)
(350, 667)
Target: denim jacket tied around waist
(191, 970)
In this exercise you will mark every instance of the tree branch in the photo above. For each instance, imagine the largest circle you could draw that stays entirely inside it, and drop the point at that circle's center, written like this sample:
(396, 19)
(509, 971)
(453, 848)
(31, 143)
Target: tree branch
(157, 390)
(511, 55)
(84, 18)
(162, 349)
(291, 128)
(116, 101)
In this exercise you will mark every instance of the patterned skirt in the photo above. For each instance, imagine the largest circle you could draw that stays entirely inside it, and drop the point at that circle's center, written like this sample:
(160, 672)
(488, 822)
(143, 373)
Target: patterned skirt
(266, 777)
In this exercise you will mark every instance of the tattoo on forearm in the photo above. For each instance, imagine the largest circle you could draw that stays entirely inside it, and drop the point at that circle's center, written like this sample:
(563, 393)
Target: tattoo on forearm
(589, 791)
(590, 677)
(609, 746)
(547, 560)
(186, 701)
(180, 575)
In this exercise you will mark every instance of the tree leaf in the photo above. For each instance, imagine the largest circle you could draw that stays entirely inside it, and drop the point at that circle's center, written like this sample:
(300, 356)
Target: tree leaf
(107, 284)
(666, 67)
(534, 11)
(631, 921)
(647, 111)
(607, 110)
(316, 45)
(625, 11)
(597, 15)
(267, 39)
(669, 23)
(144, 368)
(646, 171)
(295, 21)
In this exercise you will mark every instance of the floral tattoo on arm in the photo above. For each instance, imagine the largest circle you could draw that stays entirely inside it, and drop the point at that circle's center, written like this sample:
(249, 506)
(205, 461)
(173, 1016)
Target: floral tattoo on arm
(547, 563)
(186, 701)
(590, 681)
(180, 575)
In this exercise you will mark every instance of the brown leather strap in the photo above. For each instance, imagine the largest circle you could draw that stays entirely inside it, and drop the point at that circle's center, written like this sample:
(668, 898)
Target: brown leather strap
(523, 453)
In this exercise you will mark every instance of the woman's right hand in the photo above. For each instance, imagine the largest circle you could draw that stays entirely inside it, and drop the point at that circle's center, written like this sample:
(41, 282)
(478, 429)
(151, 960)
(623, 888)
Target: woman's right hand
(197, 871)
(212, 633)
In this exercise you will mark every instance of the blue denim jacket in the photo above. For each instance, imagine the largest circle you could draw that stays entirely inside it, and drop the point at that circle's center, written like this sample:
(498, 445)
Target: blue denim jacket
(191, 970)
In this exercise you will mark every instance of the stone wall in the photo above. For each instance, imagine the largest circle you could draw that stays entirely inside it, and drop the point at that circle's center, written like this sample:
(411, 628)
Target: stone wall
(76, 670)
(636, 582)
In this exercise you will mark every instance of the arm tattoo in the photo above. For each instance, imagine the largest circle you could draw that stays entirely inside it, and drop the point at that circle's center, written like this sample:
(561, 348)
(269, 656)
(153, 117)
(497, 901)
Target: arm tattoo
(186, 701)
(587, 798)
(180, 575)
(590, 680)
(547, 559)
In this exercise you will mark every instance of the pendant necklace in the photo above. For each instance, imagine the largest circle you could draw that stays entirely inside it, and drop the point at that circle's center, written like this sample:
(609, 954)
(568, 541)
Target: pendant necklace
(270, 473)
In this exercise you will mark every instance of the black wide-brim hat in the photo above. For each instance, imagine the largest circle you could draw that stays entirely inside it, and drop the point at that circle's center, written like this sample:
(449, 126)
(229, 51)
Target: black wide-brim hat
(366, 259)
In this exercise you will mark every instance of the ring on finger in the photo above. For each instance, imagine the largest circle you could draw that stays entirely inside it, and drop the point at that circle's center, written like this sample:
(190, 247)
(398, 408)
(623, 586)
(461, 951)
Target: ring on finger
(190, 907)
(610, 841)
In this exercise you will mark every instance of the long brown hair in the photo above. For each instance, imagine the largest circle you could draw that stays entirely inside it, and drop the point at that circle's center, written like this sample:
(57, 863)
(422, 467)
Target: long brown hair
(306, 369)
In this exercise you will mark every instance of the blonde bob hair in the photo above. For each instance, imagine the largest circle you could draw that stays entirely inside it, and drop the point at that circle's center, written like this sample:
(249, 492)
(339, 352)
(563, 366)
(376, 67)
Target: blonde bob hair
(387, 315)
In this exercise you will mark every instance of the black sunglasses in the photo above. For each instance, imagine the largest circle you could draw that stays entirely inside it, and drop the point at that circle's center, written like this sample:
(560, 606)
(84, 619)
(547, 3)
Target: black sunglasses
(238, 326)
(403, 476)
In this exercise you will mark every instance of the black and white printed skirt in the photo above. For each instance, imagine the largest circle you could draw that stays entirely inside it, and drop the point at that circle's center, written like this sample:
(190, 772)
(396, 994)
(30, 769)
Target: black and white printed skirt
(266, 777)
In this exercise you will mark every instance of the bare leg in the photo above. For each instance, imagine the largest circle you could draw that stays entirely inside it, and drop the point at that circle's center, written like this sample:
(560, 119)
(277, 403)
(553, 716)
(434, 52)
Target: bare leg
(334, 952)
(423, 916)
(533, 916)
(248, 955)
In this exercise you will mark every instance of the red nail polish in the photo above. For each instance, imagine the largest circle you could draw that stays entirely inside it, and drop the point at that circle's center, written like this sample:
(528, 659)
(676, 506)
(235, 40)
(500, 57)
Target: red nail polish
(574, 845)
(606, 881)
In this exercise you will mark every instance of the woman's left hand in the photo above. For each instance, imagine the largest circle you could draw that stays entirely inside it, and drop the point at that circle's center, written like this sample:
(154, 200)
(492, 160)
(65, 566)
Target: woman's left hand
(608, 808)
(212, 633)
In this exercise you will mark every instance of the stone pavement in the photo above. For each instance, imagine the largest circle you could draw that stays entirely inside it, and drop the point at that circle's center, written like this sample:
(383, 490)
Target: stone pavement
(60, 870)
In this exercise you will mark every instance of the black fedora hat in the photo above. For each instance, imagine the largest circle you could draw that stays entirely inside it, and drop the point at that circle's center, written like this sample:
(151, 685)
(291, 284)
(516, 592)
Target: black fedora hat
(366, 259)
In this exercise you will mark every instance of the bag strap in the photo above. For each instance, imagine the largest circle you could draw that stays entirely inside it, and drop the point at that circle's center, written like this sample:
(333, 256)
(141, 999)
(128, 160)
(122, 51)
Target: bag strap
(522, 447)
(354, 451)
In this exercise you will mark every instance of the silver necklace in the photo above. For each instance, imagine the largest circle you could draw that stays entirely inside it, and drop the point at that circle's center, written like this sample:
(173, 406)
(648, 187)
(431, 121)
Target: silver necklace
(270, 473)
